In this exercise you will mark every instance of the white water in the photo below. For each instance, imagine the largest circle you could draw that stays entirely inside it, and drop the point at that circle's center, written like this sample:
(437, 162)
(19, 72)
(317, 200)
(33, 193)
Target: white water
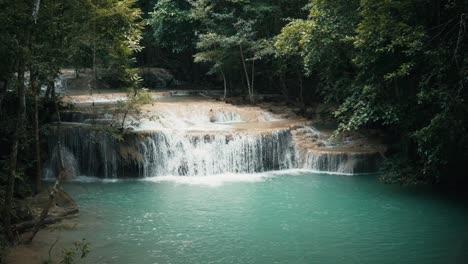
(207, 180)
(197, 139)
(176, 153)
(199, 117)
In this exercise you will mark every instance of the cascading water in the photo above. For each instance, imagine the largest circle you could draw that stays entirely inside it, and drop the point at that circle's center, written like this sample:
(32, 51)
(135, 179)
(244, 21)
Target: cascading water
(93, 152)
(198, 139)
(315, 153)
(100, 154)
(179, 154)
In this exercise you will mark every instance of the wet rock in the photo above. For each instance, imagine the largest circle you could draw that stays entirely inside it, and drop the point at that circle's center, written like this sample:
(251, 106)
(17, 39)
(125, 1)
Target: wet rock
(229, 138)
(207, 138)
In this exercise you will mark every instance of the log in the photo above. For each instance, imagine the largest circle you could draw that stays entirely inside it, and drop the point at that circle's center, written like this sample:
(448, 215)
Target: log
(25, 226)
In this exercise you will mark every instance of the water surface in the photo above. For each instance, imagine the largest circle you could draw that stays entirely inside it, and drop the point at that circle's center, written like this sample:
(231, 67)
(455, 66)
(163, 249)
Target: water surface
(290, 217)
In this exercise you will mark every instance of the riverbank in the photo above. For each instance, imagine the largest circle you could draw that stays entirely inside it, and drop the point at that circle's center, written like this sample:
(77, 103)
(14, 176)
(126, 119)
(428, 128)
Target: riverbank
(63, 215)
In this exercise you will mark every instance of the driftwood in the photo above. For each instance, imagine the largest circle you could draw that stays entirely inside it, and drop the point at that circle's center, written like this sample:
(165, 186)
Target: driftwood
(27, 225)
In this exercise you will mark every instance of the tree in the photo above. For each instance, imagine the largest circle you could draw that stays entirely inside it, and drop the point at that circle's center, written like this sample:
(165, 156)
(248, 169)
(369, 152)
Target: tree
(393, 65)
(136, 98)
(21, 49)
(39, 36)
(322, 45)
(228, 31)
(213, 52)
(173, 28)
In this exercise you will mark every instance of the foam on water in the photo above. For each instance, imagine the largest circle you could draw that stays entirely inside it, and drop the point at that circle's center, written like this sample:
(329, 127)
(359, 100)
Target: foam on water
(211, 180)
(207, 180)
(196, 116)
(102, 100)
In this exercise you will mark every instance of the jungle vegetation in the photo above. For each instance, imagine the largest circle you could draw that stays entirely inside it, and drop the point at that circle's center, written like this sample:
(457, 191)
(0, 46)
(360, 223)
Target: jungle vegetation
(399, 66)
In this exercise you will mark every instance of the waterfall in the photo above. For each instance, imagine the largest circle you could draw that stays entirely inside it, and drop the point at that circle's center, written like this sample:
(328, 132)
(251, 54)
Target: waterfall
(69, 161)
(178, 154)
(341, 162)
(315, 152)
(99, 153)
(193, 138)
(94, 152)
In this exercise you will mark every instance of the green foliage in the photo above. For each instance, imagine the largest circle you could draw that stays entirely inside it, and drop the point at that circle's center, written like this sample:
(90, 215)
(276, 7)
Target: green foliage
(321, 44)
(397, 170)
(103, 34)
(114, 36)
(136, 98)
(367, 106)
(173, 27)
(397, 65)
(82, 248)
(213, 31)
(79, 250)
(293, 38)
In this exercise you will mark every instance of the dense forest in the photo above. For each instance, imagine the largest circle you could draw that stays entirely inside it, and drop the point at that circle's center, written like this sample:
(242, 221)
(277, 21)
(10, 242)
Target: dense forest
(397, 66)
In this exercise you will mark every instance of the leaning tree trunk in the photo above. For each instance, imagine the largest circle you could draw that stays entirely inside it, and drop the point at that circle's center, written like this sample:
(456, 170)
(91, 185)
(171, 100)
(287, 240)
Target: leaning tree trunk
(247, 79)
(301, 91)
(7, 207)
(59, 178)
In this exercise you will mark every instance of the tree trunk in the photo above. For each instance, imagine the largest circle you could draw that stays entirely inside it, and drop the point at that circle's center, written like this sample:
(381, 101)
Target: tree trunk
(59, 178)
(3, 90)
(14, 150)
(301, 90)
(122, 125)
(284, 87)
(94, 62)
(47, 93)
(52, 91)
(252, 85)
(225, 84)
(34, 86)
(35, 13)
(247, 79)
(92, 86)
